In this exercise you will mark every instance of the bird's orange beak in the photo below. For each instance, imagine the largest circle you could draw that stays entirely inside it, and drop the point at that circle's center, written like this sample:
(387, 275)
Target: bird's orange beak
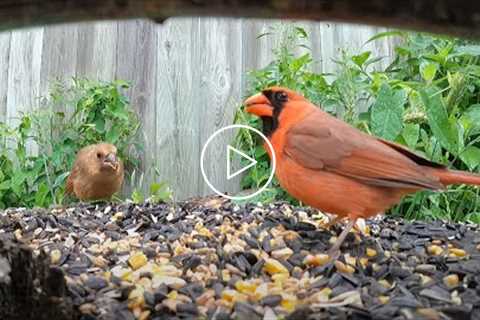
(259, 105)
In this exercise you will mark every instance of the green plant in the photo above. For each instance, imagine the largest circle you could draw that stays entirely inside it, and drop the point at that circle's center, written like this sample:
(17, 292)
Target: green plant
(426, 99)
(38, 152)
(159, 192)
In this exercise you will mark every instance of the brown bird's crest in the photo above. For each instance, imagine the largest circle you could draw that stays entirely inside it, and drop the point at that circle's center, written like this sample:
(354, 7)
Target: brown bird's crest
(97, 173)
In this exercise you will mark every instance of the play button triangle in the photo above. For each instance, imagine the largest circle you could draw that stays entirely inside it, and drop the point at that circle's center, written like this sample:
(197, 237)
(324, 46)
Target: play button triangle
(251, 163)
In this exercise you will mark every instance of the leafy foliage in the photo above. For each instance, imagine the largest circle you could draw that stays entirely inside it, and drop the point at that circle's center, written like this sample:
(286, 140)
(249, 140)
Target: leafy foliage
(37, 153)
(427, 99)
(159, 192)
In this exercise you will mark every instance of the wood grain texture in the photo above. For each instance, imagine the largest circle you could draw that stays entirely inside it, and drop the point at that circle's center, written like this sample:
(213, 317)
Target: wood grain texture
(97, 50)
(24, 67)
(60, 48)
(23, 72)
(137, 64)
(187, 78)
(5, 38)
(219, 95)
(177, 109)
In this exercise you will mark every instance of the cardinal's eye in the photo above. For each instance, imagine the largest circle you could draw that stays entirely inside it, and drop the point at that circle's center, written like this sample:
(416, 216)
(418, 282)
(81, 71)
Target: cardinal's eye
(281, 96)
(99, 155)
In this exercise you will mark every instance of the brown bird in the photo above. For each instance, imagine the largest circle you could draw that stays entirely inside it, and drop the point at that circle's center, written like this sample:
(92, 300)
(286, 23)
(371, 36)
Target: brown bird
(331, 166)
(97, 173)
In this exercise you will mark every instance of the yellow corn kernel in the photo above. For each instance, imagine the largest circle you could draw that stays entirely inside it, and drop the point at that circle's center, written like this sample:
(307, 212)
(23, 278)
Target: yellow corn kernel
(137, 260)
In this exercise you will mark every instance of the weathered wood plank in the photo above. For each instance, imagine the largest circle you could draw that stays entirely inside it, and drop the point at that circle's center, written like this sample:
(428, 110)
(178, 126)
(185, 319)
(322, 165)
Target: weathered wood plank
(24, 68)
(219, 64)
(97, 50)
(59, 55)
(4, 58)
(177, 110)
(23, 72)
(137, 63)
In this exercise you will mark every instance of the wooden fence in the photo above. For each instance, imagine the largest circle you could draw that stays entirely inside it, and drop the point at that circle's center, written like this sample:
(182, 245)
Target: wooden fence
(188, 76)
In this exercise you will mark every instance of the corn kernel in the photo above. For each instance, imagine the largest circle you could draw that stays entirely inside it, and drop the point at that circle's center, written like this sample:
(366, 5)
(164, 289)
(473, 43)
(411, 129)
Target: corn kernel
(289, 302)
(457, 252)
(246, 287)
(424, 280)
(342, 267)
(384, 299)
(172, 295)
(273, 266)
(371, 252)
(316, 260)
(280, 278)
(364, 262)
(137, 260)
(55, 256)
(451, 281)
(434, 250)
(136, 298)
(350, 260)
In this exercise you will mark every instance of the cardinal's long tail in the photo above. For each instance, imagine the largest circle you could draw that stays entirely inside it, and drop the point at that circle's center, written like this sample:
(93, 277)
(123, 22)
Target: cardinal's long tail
(457, 177)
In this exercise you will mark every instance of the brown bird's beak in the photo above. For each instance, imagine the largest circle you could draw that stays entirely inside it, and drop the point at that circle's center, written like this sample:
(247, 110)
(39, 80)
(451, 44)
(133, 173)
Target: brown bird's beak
(111, 160)
(259, 105)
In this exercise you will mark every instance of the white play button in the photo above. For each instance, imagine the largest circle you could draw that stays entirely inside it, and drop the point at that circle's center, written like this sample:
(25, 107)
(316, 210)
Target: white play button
(251, 163)
(222, 164)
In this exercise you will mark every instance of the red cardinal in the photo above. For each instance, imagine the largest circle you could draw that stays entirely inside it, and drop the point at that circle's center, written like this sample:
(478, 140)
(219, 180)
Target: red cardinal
(331, 166)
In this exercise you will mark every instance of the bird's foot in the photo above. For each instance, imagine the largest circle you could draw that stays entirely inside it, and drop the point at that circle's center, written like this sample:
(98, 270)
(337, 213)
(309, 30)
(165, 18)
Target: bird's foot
(362, 227)
(332, 222)
(334, 253)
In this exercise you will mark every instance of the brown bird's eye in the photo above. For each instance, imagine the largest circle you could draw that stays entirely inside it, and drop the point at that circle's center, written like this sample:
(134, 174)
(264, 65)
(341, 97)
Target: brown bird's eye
(281, 96)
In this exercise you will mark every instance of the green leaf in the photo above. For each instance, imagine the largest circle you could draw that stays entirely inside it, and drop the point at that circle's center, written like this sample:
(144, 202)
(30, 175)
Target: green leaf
(471, 119)
(443, 129)
(122, 84)
(471, 50)
(428, 70)
(259, 151)
(19, 178)
(364, 116)
(471, 157)
(137, 197)
(5, 185)
(386, 34)
(160, 192)
(154, 187)
(360, 59)
(301, 32)
(300, 62)
(41, 195)
(474, 217)
(60, 179)
(113, 134)
(100, 124)
(411, 133)
(387, 112)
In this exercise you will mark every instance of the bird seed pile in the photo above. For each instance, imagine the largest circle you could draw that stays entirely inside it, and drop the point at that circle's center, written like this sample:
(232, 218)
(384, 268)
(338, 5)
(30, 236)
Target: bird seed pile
(212, 259)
